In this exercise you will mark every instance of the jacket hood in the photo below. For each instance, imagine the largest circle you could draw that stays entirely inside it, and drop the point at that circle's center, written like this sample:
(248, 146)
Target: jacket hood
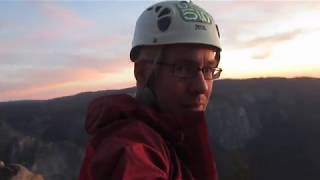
(105, 110)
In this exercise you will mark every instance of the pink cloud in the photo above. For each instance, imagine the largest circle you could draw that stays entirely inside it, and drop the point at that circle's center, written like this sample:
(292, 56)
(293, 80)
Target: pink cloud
(44, 80)
(12, 46)
(64, 20)
(61, 23)
(48, 83)
(273, 39)
(48, 34)
(2, 46)
(67, 17)
(99, 42)
(102, 65)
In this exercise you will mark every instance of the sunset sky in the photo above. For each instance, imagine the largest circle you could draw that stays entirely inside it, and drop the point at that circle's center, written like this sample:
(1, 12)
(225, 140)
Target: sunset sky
(57, 48)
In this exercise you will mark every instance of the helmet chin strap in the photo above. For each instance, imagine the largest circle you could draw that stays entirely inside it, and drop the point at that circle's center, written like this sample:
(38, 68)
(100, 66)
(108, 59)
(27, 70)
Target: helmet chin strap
(146, 94)
(146, 97)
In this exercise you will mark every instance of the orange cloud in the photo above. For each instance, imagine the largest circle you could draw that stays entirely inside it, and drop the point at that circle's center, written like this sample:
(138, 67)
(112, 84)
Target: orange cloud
(262, 47)
(86, 81)
(86, 75)
(268, 41)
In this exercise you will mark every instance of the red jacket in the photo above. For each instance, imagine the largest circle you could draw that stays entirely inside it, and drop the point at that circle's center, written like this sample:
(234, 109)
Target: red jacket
(130, 141)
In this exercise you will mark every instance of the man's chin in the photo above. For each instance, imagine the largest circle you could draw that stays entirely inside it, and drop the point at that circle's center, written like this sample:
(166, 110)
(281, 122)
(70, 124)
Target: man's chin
(188, 110)
(195, 108)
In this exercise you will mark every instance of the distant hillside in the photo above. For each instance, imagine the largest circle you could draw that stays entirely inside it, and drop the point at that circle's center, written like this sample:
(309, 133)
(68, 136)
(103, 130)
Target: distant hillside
(261, 129)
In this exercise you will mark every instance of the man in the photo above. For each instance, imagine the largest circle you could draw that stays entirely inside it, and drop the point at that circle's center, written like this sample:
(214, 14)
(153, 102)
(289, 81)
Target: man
(162, 133)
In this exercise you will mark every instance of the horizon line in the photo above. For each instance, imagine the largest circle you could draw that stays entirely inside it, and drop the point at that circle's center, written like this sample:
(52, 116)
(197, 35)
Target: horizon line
(119, 89)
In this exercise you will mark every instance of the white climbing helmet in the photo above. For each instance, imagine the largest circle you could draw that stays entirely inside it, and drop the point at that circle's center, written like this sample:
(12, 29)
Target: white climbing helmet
(174, 22)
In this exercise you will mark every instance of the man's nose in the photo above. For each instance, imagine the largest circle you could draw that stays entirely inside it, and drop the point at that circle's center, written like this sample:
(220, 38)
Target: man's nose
(199, 83)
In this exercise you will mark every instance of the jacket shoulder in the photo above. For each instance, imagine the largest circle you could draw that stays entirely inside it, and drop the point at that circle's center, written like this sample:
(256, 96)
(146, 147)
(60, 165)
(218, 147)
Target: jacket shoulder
(130, 132)
(132, 150)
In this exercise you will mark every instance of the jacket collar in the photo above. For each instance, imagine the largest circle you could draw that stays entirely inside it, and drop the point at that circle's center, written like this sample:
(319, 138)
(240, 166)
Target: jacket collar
(108, 109)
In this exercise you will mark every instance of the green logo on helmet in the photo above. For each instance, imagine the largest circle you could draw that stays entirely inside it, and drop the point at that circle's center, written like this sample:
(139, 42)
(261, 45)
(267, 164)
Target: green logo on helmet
(190, 12)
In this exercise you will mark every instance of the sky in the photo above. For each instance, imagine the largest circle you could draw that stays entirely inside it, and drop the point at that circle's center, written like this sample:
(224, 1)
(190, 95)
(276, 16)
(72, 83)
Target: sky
(57, 48)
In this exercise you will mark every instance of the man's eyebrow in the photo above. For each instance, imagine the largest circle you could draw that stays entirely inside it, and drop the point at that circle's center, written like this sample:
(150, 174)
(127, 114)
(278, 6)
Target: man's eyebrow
(210, 62)
(185, 61)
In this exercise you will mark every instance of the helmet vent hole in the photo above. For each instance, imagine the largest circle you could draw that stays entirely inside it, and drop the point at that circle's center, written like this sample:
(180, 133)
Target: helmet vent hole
(164, 12)
(150, 8)
(164, 23)
(158, 8)
(155, 40)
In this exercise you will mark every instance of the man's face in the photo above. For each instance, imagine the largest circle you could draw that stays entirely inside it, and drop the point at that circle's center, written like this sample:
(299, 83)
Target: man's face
(178, 95)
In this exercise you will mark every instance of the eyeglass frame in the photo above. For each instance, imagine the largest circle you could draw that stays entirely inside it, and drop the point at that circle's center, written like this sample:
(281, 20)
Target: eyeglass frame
(213, 70)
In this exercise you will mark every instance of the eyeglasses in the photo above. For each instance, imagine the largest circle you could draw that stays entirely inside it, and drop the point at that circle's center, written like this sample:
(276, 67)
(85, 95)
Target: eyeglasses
(189, 71)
